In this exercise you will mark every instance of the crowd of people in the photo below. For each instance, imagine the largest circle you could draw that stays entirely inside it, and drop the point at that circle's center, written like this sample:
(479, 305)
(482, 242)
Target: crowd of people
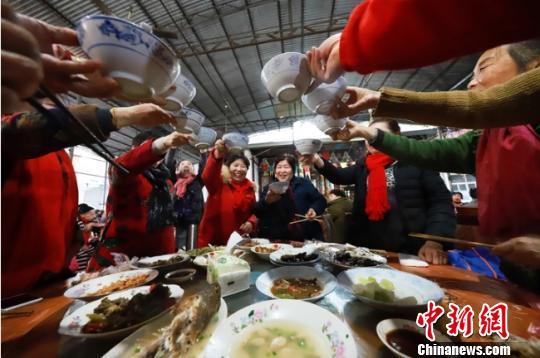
(397, 188)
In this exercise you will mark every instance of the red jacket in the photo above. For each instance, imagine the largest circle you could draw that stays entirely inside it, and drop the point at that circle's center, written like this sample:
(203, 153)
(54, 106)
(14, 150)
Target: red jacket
(39, 209)
(398, 34)
(127, 231)
(228, 205)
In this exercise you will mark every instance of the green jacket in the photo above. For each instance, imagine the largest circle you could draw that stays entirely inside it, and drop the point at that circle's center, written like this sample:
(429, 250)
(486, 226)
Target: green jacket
(456, 155)
(338, 209)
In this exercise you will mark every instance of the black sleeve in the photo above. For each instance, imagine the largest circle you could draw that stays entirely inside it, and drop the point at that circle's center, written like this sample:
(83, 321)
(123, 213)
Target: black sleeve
(262, 208)
(441, 218)
(318, 200)
(339, 176)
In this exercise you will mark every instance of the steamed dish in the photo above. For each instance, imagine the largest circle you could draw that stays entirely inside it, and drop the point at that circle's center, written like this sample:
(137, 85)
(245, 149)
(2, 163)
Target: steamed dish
(357, 258)
(382, 291)
(280, 339)
(301, 257)
(297, 288)
(172, 260)
(192, 316)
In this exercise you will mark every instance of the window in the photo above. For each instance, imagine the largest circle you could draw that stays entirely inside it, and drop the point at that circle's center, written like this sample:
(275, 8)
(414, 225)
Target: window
(92, 177)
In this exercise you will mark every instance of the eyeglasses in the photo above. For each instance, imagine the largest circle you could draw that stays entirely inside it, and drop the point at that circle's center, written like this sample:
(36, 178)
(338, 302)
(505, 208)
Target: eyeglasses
(80, 129)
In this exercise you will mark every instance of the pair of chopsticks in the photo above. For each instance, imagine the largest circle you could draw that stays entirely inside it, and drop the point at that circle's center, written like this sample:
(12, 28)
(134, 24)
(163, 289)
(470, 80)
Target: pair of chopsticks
(316, 218)
(447, 239)
(83, 131)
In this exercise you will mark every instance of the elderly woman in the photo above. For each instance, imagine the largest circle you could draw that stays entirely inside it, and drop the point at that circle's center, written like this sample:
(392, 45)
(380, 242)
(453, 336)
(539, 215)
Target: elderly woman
(508, 189)
(231, 197)
(275, 211)
(393, 199)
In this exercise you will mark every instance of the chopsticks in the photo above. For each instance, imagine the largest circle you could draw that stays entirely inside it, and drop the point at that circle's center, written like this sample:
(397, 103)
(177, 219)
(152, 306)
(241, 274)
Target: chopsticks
(102, 151)
(447, 239)
(316, 218)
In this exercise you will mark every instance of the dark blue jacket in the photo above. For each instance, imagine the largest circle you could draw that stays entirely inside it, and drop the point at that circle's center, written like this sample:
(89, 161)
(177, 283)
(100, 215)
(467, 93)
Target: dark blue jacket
(274, 218)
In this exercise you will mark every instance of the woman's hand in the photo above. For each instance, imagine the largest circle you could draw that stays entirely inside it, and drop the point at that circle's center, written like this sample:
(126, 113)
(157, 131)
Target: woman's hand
(323, 61)
(354, 130)
(433, 252)
(524, 250)
(144, 115)
(311, 214)
(271, 197)
(176, 139)
(246, 228)
(360, 99)
(220, 149)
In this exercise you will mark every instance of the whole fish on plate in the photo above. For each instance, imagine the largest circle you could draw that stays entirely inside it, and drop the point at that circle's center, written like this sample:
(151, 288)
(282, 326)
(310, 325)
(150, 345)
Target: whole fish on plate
(192, 315)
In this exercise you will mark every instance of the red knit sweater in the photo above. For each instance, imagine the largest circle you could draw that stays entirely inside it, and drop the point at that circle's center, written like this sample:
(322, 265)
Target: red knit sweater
(398, 34)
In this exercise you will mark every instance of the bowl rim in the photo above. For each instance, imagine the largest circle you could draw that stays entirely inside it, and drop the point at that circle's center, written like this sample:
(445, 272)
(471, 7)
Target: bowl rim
(99, 16)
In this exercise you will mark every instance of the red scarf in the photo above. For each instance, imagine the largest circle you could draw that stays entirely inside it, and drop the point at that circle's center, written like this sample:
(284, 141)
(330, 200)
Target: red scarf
(377, 193)
(508, 177)
(181, 185)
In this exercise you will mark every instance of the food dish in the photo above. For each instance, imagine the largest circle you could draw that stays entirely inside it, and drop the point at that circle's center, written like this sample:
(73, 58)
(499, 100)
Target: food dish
(294, 256)
(136, 344)
(324, 279)
(115, 314)
(402, 336)
(351, 257)
(247, 244)
(101, 286)
(405, 287)
(264, 251)
(204, 250)
(332, 336)
(75, 324)
(163, 262)
(296, 288)
(192, 316)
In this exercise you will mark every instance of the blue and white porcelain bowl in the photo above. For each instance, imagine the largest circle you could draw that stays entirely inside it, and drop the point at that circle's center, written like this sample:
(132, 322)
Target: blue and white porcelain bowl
(235, 141)
(182, 96)
(206, 138)
(142, 64)
(189, 121)
(322, 99)
(286, 76)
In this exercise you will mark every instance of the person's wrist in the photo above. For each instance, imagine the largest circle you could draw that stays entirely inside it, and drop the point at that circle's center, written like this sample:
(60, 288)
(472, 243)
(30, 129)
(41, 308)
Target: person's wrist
(318, 162)
(118, 117)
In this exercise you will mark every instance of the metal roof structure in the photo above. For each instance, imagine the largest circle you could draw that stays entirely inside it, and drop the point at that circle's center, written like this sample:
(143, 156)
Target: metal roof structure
(223, 45)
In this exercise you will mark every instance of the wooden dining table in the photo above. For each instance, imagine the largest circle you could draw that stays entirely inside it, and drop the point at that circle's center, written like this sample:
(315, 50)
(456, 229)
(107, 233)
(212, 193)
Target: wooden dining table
(37, 335)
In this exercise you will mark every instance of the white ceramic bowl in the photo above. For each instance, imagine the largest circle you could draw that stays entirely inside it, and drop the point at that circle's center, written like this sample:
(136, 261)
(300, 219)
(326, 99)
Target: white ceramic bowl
(329, 125)
(236, 141)
(322, 99)
(278, 187)
(325, 279)
(308, 146)
(276, 246)
(142, 64)
(206, 138)
(189, 121)
(332, 334)
(72, 324)
(405, 285)
(182, 96)
(286, 76)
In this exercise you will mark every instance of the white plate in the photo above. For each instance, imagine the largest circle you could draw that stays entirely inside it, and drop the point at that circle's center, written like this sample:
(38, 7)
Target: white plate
(331, 333)
(146, 335)
(277, 246)
(71, 325)
(258, 241)
(389, 325)
(328, 254)
(85, 290)
(405, 284)
(324, 278)
(149, 262)
(275, 257)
